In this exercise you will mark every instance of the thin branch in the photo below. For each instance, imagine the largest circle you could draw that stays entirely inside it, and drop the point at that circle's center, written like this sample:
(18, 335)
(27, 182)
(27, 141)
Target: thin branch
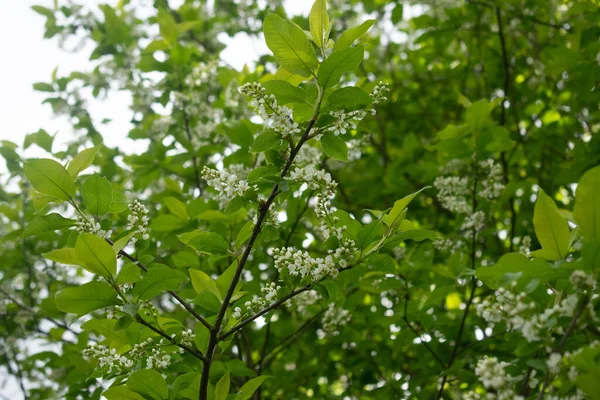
(185, 305)
(190, 350)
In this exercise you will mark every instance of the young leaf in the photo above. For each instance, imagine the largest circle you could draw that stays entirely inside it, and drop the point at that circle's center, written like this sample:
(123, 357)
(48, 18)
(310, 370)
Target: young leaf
(96, 255)
(348, 98)
(208, 243)
(67, 256)
(250, 387)
(587, 205)
(201, 337)
(398, 207)
(158, 279)
(222, 388)
(46, 223)
(49, 177)
(338, 63)
(265, 141)
(349, 36)
(86, 298)
(551, 229)
(244, 233)
(334, 146)
(177, 207)
(290, 46)
(82, 160)
(201, 281)
(149, 384)
(97, 194)
(41, 138)
(319, 22)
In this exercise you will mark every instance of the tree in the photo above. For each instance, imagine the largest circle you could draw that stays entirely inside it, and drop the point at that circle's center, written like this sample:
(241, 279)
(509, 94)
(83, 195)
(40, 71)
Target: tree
(382, 208)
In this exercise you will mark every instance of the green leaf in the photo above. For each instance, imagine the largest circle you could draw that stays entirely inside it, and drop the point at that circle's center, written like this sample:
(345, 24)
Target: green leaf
(43, 87)
(43, 11)
(349, 36)
(121, 393)
(46, 223)
(290, 46)
(167, 26)
(149, 384)
(236, 204)
(201, 337)
(158, 279)
(398, 207)
(285, 92)
(96, 255)
(41, 138)
(177, 207)
(334, 146)
(207, 242)
(119, 202)
(515, 266)
(167, 223)
(319, 22)
(551, 229)
(338, 63)
(222, 388)
(250, 387)
(225, 279)
(348, 98)
(86, 298)
(82, 160)
(97, 194)
(201, 281)
(129, 273)
(265, 141)
(49, 177)
(67, 256)
(587, 205)
(244, 234)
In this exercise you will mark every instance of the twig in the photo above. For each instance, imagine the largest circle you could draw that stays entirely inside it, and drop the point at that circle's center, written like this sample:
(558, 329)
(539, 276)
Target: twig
(193, 352)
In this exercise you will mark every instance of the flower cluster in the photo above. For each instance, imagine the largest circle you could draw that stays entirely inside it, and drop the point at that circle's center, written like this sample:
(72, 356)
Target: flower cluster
(278, 118)
(225, 183)
(379, 92)
(300, 263)
(492, 374)
(304, 300)
(108, 358)
(158, 358)
(269, 295)
(158, 354)
(137, 220)
(315, 179)
(475, 221)
(346, 120)
(334, 318)
(520, 315)
(492, 184)
(525, 247)
(202, 73)
(452, 192)
(187, 337)
(91, 226)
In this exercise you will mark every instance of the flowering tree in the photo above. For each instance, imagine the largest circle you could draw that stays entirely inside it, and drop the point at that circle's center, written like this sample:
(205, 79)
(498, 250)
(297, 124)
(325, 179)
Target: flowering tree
(419, 223)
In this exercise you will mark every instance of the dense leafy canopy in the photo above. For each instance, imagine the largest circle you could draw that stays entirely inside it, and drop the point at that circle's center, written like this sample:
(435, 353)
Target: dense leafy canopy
(400, 201)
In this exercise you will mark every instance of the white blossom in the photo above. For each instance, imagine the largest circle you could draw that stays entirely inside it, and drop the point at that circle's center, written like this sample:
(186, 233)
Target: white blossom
(91, 226)
(553, 363)
(334, 318)
(315, 179)
(137, 220)
(279, 118)
(225, 183)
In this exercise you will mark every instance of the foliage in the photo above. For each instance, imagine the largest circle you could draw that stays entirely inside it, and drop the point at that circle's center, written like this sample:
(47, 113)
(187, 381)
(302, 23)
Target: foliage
(353, 218)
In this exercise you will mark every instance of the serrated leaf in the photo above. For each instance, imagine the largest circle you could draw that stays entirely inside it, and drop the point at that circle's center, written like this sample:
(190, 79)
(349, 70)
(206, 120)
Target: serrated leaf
(206, 242)
(97, 194)
(201, 282)
(348, 98)
(86, 298)
(551, 229)
(67, 256)
(289, 45)
(158, 279)
(176, 207)
(82, 160)
(338, 63)
(350, 35)
(46, 223)
(49, 177)
(96, 255)
(149, 384)
(334, 146)
(319, 22)
(265, 141)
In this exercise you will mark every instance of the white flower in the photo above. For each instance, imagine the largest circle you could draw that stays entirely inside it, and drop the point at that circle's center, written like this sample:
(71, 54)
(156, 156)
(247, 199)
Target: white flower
(138, 219)
(333, 318)
(315, 179)
(225, 183)
(553, 363)
(581, 280)
(91, 226)
(379, 92)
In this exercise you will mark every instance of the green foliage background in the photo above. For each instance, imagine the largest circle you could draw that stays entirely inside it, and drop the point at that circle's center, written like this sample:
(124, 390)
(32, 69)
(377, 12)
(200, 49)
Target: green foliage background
(414, 332)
